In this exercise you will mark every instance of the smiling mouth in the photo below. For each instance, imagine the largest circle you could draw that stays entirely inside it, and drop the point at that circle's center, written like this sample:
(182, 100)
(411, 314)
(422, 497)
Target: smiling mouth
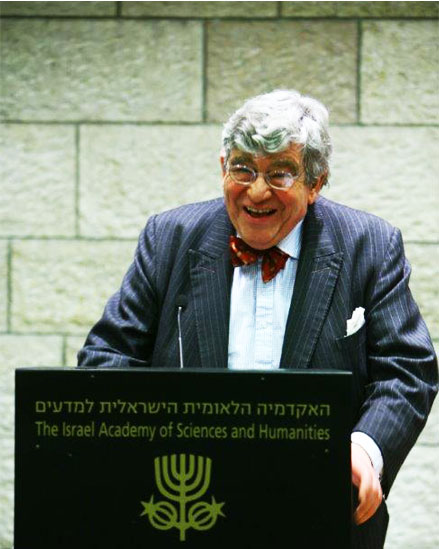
(262, 212)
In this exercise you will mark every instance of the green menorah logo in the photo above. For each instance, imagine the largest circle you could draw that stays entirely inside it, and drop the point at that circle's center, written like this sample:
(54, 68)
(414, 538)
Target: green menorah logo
(182, 479)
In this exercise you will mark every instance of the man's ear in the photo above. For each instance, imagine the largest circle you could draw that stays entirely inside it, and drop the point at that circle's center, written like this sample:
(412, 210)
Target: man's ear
(223, 163)
(314, 192)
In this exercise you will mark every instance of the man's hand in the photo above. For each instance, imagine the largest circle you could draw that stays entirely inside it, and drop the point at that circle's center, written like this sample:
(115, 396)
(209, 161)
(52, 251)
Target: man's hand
(366, 480)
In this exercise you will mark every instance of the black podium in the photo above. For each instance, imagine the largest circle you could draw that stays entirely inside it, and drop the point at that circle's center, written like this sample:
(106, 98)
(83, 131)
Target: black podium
(182, 458)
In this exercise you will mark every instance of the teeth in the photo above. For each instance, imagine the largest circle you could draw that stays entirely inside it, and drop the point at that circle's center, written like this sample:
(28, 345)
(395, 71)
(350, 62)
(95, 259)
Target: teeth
(257, 211)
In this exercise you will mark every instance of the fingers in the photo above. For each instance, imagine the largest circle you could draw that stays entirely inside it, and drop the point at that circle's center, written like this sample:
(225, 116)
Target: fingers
(370, 497)
(370, 494)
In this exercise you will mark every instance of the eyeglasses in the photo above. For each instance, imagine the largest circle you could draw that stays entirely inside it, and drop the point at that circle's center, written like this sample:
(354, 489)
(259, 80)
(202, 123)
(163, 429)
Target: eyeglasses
(277, 178)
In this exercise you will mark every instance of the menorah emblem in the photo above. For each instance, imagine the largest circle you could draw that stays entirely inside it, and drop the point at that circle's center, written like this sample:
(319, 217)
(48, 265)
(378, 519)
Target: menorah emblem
(182, 479)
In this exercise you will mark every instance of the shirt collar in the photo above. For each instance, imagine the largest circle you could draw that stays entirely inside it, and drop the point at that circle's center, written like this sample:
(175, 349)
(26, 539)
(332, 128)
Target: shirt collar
(292, 243)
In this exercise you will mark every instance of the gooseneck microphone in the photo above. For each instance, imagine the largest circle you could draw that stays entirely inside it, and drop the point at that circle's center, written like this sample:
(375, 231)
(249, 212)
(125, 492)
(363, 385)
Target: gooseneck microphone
(181, 304)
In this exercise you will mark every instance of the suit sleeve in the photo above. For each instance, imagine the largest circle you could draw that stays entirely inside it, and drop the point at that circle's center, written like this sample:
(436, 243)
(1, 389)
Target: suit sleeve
(125, 334)
(401, 362)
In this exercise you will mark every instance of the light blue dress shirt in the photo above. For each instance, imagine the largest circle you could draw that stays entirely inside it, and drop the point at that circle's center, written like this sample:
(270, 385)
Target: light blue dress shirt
(259, 310)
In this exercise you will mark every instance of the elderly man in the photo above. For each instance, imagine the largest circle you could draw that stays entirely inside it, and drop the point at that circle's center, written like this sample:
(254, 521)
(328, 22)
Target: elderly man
(303, 265)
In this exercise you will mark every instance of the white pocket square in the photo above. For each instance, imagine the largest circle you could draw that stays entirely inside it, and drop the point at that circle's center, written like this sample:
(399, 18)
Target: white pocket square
(355, 322)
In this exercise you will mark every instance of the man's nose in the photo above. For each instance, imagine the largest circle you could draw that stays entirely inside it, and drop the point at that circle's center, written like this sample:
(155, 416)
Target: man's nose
(259, 191)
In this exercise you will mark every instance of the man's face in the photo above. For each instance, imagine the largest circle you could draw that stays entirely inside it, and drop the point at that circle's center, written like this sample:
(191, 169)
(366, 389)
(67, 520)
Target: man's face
(261, 215)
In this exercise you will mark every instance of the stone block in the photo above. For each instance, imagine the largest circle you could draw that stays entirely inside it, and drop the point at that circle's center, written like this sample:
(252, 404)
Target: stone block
(424, 260)
(7, 408)
(359, 9)
(199, 9)
(3, 285)
(309, 9)
(414, 502)
(387, 9)
(248, 58)
(101, 70)
(390, 172)
(399, 72)
(58, 9)
(16, 351)
(38, 180)
(130, 172)
(73, 344)
(25, 350)
(6, 489)
(62, 286)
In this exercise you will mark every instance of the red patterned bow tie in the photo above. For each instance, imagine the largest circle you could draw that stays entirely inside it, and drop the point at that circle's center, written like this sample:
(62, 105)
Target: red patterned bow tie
(273, 259)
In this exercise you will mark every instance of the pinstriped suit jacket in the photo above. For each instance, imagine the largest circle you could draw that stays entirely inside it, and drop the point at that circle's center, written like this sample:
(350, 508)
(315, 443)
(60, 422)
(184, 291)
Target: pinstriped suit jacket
(348, 259)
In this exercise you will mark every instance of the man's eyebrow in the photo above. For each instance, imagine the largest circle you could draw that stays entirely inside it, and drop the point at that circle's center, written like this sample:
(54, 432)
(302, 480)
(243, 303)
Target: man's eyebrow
(285, 163)
(242, 159)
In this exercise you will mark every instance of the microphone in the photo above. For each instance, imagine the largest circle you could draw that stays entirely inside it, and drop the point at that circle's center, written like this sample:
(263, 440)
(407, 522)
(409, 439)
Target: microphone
(181, 303)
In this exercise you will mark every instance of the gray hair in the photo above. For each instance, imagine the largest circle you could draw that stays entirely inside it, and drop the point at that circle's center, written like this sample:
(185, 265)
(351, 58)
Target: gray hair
(269, 123)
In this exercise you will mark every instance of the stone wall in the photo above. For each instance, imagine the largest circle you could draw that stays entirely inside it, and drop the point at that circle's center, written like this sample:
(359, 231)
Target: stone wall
(113, 110)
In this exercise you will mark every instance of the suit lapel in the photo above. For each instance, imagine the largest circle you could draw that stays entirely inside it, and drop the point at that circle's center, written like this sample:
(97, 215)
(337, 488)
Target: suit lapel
(211, 277)
(317, 274)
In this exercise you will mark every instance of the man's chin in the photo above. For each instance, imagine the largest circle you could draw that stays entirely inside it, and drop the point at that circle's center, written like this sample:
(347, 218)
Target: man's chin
(259, 243)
